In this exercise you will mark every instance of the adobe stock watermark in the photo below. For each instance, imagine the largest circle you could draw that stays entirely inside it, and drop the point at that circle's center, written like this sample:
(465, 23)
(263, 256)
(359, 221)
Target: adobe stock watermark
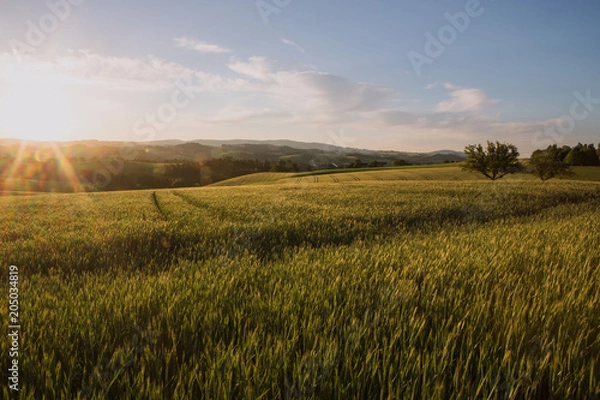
(435, 46)
(181, 97)
(266, 8)
(14, 327)
(146, 128)
(554, 133)
(39, 31)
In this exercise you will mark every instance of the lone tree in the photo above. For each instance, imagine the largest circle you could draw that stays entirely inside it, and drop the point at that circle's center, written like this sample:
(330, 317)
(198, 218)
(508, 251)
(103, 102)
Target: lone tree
(496, 161)
(546, 164)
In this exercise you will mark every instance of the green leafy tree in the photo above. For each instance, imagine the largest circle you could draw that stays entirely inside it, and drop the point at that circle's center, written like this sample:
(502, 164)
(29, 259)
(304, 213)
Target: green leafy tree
(186, 173)
(285, 166)
(377, 164)
(575, 156)
(358, 163)
(399, 163)
(547, 164)
(583, 155)
(495, 161)
(563, 152)
(590, 156)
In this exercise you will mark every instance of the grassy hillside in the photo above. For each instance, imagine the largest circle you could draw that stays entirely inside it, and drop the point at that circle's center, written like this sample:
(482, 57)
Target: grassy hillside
(586, 173)
(333, 290)
(433, 172)
(421, 172)
(262, 178)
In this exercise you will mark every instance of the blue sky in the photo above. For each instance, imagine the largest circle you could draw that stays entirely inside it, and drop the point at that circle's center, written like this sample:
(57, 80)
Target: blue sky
(404, 75)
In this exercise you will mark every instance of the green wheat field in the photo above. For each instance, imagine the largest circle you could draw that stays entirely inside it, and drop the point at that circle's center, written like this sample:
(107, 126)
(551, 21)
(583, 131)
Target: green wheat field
(400, 284)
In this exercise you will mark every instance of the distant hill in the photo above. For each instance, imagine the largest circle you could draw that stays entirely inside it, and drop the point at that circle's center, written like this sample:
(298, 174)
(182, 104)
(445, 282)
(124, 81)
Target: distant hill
(447, 152)
(279, 143)
(315, 155)
(320, 155)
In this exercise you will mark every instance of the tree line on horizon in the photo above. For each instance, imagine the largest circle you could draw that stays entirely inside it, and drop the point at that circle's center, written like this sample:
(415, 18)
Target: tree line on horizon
(494, 161)
(52, 175)
(497, 160)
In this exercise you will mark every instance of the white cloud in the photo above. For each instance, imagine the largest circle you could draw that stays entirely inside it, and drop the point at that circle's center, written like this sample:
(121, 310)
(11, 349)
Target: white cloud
(464, 100)
(200, 46)
(311, 95)
(207, 82)
(331, 93)
(450, 86)
(238, 114)
(259, 91)
(145, 69)
(293, 44)
(304, 97)
(86, 68)
(257, 67)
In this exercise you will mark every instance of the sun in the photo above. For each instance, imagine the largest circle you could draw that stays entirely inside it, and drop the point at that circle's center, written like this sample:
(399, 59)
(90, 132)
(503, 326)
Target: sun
(35, 110)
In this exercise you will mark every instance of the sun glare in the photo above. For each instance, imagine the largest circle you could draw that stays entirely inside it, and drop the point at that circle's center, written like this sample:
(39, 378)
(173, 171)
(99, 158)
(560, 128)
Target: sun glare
(35, 111)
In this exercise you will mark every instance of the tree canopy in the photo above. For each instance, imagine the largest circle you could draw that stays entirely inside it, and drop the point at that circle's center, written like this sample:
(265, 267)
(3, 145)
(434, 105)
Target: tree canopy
(583, 155)
(546, 164)
(495, 161)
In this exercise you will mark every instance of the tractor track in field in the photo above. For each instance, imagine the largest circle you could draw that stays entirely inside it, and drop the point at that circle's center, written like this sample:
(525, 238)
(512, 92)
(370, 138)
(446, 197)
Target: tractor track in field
(210, 212)
(160, 209)
(198, 204)
(193, 202)
(334, 179)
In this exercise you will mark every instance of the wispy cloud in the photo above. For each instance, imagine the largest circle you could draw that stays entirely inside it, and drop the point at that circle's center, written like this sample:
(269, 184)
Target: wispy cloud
(293, 44)
(239, 114)
(258, 91)
(311, 96)
(83, 67)
(200, 46)
(451, 86)
(464, 100)
(256, 67)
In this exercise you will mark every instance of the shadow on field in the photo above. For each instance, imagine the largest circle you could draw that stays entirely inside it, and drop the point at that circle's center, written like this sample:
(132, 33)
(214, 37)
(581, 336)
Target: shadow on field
(155, 248)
